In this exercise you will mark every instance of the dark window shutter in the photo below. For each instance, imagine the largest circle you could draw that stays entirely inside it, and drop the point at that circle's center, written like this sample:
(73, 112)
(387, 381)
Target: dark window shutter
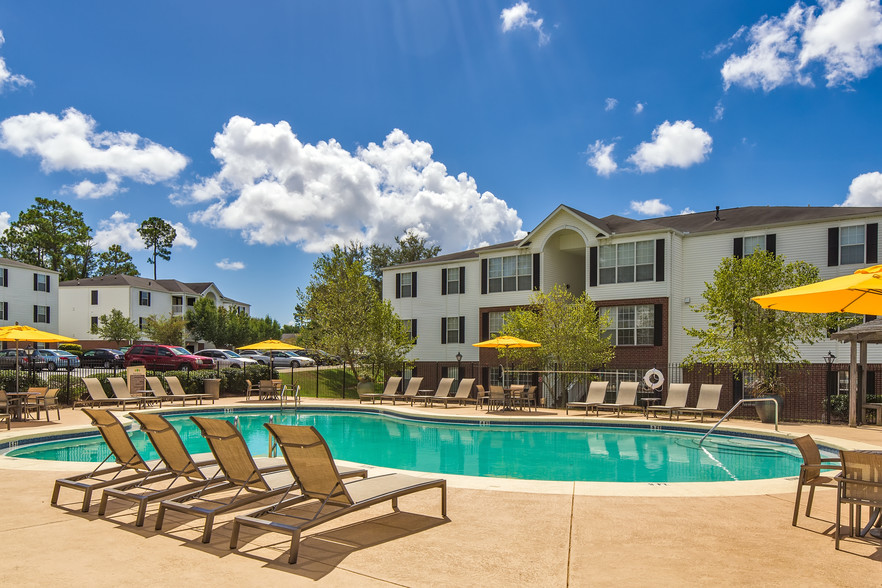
(35, 282)
(872, 251)
(658, 325)
(737, 389)
(413, 293)
(5, 277)
(443, 330)
(592, 266)
(35, 313)
(535, 271)
(148, 298)
(48, 281)
(738, 248)
(48, 315)
(483, 276)
(413, 328)
(833, 246)
(485, 326)
(659, 260)
(462, 329)
(397, 285)
(462, 279)
(6, 310)
(443, 282)
(772, 243)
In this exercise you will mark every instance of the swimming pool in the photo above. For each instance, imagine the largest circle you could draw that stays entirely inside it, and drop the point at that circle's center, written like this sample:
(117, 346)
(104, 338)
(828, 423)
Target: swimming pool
(563, 453)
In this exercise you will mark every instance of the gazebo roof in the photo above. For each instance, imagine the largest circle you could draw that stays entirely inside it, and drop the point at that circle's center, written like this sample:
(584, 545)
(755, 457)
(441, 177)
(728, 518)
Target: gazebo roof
(869, 332)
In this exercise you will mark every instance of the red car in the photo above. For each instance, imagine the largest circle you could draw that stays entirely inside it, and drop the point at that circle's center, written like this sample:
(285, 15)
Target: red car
(166, 357)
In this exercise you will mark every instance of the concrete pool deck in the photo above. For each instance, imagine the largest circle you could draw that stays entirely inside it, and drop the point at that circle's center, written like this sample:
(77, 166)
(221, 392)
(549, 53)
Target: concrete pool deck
(497, 533)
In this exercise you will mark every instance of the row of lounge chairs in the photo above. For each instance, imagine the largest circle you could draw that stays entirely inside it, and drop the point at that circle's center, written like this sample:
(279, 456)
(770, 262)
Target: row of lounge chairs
(122, 397)
(231, 478)
(708, 400)
(412, 393)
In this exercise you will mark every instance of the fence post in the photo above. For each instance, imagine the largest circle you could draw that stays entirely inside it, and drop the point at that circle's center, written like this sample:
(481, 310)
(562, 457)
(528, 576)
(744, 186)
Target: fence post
(316, 379)
(343, 392)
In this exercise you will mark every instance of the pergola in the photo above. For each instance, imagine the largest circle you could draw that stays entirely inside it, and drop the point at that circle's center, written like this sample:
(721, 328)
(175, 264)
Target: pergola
(863, 334)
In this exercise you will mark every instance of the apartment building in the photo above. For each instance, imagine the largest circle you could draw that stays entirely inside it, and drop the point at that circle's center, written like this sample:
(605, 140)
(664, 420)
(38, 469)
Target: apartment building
(28, 295)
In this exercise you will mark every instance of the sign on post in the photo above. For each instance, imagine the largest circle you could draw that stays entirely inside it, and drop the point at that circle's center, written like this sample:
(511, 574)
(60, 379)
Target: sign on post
(136, 375)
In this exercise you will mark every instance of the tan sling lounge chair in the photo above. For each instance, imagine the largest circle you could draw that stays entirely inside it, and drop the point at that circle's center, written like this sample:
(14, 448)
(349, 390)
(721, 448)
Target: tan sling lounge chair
(98, 397)
(131, 465)
(596, 395)
(240, 471)
(390, 389)
(177, 390)
(708, 402)
(463, 392)
(413, 388)
(443, 391)
(626, 397)
(810, 473)
(311, 463)
(677, 394)
(121, 390)
(158, 390)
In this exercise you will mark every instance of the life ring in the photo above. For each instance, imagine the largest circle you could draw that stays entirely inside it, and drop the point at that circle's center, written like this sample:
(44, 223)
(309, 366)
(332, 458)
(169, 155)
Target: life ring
(654, 379)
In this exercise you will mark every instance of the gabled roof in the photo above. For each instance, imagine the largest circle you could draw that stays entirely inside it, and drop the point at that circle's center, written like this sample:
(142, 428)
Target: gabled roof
(133, 282)
(461, 255)
(12, 263)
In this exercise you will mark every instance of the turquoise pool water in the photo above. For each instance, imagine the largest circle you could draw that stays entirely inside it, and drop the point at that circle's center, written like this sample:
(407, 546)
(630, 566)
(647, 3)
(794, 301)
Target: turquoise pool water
(601, 454)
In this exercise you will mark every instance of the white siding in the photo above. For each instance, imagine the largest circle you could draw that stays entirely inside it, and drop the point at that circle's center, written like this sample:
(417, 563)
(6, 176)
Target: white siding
(20, 296)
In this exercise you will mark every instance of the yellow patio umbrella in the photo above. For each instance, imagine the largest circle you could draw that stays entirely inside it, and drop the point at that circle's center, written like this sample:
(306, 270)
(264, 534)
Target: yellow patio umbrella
(272, 345)
(860, 293)
(506, 342)
(19, 332)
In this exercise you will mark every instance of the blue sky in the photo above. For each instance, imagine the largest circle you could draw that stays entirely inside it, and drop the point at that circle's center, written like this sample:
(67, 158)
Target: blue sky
(267, 132)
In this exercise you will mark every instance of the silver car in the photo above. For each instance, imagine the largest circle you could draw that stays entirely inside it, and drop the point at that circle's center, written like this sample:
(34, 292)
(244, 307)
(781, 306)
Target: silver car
(227, 358)
(258, 356)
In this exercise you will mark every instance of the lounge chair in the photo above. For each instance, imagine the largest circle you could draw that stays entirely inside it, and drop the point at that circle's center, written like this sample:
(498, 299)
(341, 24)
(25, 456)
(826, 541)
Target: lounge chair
(708, 402)
(626, 397)
(413, 388)
(390, 389)
(98, 397)
(182, 472)
(240, 471)
(810, 472)
(860, 484)
(443, 391)
(463, 394)
(131, 466)
(596, 395)
(121, 390)
(177, 390)
(311, 463)
(158, 390)
(677, 394)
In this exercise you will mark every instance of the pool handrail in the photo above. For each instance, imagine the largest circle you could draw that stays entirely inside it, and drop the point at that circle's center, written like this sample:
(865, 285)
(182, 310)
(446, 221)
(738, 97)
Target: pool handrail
(737, 404)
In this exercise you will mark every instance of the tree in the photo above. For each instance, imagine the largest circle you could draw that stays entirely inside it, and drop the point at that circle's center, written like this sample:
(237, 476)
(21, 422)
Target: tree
(410, 247)
(265, 328)
(202, 320)
(158, 235)
(165, 330)
(745, 336)
(52, 235)
(388, 341)
(569, 328)
(115, 261)
(116, 327)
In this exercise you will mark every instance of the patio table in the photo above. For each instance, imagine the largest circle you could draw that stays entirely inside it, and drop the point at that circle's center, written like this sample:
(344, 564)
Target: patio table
(18, 402)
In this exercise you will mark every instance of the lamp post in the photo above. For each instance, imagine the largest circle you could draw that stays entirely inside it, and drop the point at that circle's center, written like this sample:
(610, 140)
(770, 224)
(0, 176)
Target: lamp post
(829, 359)
(458, 367)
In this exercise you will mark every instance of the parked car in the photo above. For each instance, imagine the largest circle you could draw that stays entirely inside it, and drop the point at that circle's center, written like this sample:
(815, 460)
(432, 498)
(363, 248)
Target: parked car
(322, 357)
(227, 358)
(25, 360)
(58, 359)
(166, 357)
(283, 359)
(105, 358)
(255, 354)
(305, 360)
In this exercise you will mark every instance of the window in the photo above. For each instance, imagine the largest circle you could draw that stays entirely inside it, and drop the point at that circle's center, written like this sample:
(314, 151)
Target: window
(410, 325)
(627, 262)
(842, 383)
(94, 322)
(851, 245)
(453, 280)
(141, 323)
(41, 283)
(4, 278)
(452, 329)
(509, 274)
(406, 285)
(496, 320)
(144, 298)
(756, 243)
(94, 297)
(4, 311)
(631, 325)
(41, 314)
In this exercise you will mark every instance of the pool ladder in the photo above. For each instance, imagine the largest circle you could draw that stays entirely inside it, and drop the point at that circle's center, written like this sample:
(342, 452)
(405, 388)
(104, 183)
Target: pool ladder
(737, 404)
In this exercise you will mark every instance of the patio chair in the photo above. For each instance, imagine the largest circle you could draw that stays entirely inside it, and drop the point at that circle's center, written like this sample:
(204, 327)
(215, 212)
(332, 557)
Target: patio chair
(251, 389)
(626, 397)
(321, 484)
(859, 485)
(413, 388)
(677, 394)
(708, 402)
(481, 396)
(121, 390)
(185, 471)
(4, 410)
(390, 389)
(526, 398)
(495, 397)
(33, 399)
(48, 400)
(463, 394)
(131, 466)
(240, 470)
(810, 472)
(443, 391)
(596, 395)
(98, 397)
(266, 390)
(158, 390)
(177, 390)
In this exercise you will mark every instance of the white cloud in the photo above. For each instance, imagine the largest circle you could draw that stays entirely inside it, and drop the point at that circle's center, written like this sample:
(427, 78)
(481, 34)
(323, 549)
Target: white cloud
(843, 37)
(72, 143)
(611, 103)
(520, 16)
(601, 158)
(865, 190)
(680, 144)
(638, 107)
(275, 189)
(7, 78)
(226, 264)
(4, 221)
(652, 207)
(687, 210)
(183, 238)
(718, 111)
(118, 230)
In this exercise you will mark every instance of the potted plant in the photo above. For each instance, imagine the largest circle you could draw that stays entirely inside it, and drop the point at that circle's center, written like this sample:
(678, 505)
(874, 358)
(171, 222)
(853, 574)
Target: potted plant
(768, 387)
